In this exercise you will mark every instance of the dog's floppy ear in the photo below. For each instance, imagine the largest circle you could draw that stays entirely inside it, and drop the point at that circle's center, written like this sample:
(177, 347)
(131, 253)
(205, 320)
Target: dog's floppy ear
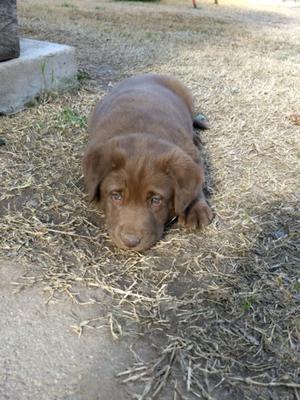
(188, 178)
(98, 161)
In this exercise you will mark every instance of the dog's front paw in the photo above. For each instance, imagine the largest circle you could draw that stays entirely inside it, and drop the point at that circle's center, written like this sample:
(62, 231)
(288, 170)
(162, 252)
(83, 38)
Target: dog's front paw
(198, 215)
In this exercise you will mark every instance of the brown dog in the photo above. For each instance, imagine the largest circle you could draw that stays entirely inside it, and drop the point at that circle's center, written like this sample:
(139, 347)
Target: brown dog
(141, 164)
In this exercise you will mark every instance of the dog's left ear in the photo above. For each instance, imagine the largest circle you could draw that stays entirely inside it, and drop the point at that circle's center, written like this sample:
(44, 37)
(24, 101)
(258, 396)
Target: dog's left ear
(188, 178)
(98, 161)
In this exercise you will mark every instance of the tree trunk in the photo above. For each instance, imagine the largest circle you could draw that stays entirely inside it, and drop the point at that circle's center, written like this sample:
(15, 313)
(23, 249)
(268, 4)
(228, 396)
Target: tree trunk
(9, 38)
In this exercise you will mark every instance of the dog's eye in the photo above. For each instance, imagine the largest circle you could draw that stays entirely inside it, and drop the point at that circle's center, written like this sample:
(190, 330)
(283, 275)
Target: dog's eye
(116, 197)
(155, 201)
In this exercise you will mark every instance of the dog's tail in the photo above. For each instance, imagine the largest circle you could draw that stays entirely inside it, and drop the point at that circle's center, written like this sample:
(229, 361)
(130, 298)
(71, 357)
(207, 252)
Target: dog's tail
(200, 122)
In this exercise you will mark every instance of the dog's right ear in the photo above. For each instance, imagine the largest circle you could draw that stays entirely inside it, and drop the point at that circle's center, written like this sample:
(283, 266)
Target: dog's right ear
(98, 161)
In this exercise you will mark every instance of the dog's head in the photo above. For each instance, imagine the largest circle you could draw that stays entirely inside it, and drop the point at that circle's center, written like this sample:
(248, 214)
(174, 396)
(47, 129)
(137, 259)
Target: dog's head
(140, 182)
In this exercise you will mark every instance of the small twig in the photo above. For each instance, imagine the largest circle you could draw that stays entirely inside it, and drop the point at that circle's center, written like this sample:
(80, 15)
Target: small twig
(189, 375)
(128, 293)
(163, 382)
(130, 371)
(205, 395)
(35, 233)
(250, 381)
(111, 325)
(135, 377)
(68, 233)
(177, 391)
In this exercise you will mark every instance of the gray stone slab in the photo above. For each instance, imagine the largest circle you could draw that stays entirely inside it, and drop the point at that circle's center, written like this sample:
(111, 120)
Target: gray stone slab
(9, 39)
(41, 67)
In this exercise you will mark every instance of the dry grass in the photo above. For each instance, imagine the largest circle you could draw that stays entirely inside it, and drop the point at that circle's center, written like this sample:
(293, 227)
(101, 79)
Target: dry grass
(220, 307)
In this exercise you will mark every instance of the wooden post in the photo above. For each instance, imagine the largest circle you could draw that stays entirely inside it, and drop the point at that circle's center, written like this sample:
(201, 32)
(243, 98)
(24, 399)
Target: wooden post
(9, 39)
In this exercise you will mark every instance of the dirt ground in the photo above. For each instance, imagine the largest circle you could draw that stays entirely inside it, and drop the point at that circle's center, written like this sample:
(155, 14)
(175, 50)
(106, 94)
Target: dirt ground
(209, 315)
(42, 358)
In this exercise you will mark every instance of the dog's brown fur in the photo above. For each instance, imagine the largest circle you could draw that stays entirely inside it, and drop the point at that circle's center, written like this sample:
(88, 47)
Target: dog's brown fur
(141, 165)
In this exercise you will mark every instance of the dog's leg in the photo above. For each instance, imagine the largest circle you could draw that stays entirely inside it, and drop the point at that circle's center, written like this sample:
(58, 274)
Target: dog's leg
(198, 214)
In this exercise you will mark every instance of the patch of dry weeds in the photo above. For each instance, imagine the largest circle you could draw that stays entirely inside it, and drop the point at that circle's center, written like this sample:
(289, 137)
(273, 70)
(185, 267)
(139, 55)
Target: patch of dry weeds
(220, 307)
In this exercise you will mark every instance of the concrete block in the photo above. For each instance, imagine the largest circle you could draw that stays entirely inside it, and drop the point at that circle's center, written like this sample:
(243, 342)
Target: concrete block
(41, 67)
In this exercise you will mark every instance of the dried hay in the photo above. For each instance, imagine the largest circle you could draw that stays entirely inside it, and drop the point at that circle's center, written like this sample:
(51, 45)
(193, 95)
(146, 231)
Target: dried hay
(222, 306)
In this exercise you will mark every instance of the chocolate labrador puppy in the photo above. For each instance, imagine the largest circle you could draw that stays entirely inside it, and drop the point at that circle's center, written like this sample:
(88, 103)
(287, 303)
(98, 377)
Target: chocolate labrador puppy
(141, 164)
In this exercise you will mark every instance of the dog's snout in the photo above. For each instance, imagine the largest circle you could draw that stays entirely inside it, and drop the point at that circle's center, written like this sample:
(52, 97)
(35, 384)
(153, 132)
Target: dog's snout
(130, 240)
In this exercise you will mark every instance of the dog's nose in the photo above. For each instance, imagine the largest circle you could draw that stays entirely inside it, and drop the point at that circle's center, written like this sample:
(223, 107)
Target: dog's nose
(130, 240)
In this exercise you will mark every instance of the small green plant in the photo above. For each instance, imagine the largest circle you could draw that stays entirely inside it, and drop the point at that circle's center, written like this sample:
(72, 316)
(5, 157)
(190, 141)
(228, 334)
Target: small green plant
(43, 67)
(83, 75)
(43, 72)
(296, 287)
(248, 302)
(67, 5)
(73, 118)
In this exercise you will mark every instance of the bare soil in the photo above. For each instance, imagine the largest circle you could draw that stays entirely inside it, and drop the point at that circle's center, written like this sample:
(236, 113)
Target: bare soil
(41, 357)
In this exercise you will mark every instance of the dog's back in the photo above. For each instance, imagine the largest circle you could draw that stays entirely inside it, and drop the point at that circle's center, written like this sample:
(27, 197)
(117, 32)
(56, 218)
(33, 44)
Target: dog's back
(148, 103)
